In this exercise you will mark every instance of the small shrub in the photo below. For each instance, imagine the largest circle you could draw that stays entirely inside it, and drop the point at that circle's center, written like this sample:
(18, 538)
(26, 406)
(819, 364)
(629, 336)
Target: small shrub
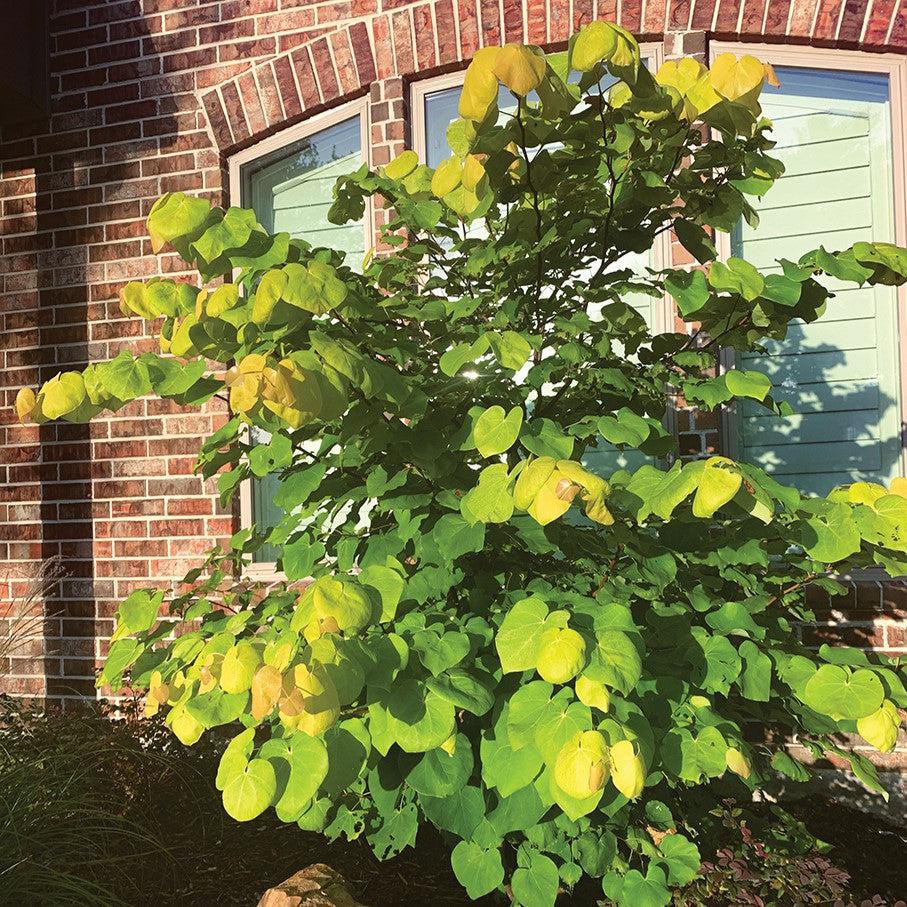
(764, 861)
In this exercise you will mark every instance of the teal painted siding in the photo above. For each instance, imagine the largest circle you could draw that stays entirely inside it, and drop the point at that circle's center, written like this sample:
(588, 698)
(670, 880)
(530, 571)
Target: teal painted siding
(840, 374)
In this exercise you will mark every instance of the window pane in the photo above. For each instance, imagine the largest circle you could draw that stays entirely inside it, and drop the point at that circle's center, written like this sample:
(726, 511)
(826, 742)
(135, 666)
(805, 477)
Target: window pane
(290, 191)
(840, 374)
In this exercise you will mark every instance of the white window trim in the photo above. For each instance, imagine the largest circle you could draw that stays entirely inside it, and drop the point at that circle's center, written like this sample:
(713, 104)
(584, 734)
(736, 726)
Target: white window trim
(267, 571)
(895, 67)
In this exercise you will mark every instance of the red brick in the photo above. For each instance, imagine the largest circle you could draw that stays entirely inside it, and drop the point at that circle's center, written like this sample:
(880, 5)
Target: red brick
(777, 17)
(255, 114)
(536, 22)
(631, 14)
(802, 18)
(344, 64)
(513, 19)
(425, 37)
(324, 70)
(403, 42)
(654, 23)
(489, 12)
(469, 30)
(269, 94)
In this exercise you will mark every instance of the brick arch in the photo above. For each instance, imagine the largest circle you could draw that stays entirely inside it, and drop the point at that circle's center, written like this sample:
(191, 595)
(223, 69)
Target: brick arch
(413, 40)
(426, 37)
(871, 25)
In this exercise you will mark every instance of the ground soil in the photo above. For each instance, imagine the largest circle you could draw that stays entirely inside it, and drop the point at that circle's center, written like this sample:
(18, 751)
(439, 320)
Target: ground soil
(872, 852)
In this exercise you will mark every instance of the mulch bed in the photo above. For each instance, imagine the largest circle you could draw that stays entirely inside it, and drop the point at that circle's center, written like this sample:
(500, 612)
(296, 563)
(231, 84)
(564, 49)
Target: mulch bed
(254, 856)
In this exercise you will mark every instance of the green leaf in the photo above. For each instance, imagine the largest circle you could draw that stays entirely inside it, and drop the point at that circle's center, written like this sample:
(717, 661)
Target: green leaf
(296, 488)
(695, 240)
(464, 690)
(455, 537)
(138, 612)
(231, 232)
(680, 858)
(546, 438)
(462, 354)
(458, 813)
(536, 885)
(510, 349)
(649, 890)
(251, 792)
(301, 764)
(439, 773)
(421, 719)
(736, 276)
(390, 585)
(782, 290)
(276, 454)
(528, 709)
(506, 768)
(127, 378)
(718, 483)
(396, 833)
(235, 758)
(490, 501)
(496, 431)
(673, 487)
(440, 652)
(689, 289)
(832, 539)
(748, 384)
(176, 216)
(615, 661)
(479, 870)
(122, 654)
(624, 427)
(217, 707)
(299, 557)
(519, 639)
(703, 756)
(595, 852)
(843, 694)
(348, 746)
(756, 680)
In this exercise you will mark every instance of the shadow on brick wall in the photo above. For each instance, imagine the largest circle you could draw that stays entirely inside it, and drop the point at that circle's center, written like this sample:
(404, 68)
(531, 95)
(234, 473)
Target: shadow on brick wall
(79, 158)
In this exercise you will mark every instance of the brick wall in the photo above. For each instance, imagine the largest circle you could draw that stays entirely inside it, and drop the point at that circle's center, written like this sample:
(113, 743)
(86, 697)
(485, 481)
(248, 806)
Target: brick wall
(153, 95)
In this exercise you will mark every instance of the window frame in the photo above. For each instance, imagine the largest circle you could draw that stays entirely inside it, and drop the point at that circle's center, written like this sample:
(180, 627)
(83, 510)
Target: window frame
(267, 570)
(895, 67)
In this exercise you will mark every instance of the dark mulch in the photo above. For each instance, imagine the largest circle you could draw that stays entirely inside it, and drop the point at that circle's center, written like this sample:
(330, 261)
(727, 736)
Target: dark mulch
(257, 855)
(872, 852)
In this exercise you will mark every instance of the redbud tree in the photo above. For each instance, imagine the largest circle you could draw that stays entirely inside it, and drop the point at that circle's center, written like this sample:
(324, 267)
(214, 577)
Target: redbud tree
(503, 633)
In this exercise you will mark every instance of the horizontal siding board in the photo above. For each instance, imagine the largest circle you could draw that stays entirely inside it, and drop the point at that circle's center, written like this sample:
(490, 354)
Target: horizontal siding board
(856, 425)
(828, 397)
(793, 459)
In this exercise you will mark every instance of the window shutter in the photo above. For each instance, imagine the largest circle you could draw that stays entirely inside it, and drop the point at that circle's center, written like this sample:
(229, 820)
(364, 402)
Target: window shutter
(840, 374)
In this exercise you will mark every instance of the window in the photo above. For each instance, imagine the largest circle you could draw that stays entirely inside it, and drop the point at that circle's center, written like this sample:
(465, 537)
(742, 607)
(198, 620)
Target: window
(288, 181)
(434, 106)
(835, 133)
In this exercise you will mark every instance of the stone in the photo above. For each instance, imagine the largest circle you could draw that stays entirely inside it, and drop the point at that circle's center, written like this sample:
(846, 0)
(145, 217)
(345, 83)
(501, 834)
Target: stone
(315, 886)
